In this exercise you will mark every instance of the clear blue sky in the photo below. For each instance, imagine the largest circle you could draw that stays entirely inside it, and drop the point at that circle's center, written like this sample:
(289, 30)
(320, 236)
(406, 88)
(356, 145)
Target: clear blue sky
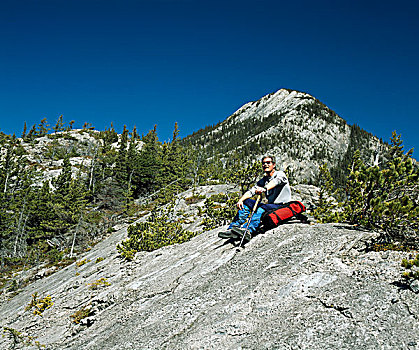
(195, 62)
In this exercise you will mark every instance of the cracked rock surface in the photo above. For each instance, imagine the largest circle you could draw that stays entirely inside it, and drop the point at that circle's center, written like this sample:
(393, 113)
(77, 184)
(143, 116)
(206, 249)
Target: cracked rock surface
(295, 287)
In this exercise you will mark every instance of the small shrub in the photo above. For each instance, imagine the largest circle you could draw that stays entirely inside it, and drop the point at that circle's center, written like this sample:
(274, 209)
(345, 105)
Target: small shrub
(84, 312)
(326, 208)
(244, 176)
(99, 259)
(99, 283)
(54, 256)
(219, 209)
(13, 286)
(38, 304)
(194, 199)
(82, 262)
(412, 266)
(158, 231)
(377, 247)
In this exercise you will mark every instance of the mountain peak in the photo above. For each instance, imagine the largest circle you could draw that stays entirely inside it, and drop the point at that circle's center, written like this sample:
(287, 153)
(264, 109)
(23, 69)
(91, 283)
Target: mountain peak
(298, 129)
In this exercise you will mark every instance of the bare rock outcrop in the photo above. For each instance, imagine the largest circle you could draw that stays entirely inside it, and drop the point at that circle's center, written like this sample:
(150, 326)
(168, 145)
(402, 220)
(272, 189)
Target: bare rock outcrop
(295, 287)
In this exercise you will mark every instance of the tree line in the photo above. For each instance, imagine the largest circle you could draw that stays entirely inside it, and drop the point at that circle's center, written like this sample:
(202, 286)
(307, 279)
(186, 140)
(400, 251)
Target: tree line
(48, 218)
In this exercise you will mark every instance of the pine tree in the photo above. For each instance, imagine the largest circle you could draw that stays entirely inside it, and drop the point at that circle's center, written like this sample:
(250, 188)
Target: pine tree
(121, 171)
(32, 133)
(385, 199)
(20, 209)
(62, 182)
(6, 222)
(132, 158)
(134, 134)
(149, 163)
(173, 158)
(123, 174)
(40, 214)
(355, 189)
(59, 125)
(43, 127)
(70, 125)
(24, 130)
(327, 204)
(6, 168)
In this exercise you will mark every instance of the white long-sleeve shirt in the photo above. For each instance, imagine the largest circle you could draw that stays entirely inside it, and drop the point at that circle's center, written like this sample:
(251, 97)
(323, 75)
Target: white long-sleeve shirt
(281, 193)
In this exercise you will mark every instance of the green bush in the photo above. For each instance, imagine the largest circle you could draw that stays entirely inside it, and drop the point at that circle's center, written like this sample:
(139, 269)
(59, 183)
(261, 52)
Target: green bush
(413, 268)
(38, 304)
(384, 198)
(158, 231)
(243, 175)
(327, 205)
(219, 209)
(101, 282)
(194, 199)
(84, 312)
(82, 262)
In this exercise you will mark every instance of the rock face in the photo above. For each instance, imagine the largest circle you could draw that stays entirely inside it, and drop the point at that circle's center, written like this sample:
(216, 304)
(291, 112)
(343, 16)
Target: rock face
(295, 287)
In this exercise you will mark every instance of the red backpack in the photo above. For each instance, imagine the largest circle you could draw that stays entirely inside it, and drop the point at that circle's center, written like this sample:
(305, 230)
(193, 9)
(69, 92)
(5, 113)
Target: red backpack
(275, 217)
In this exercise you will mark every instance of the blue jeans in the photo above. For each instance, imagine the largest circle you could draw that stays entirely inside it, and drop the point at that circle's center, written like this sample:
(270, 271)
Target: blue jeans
(240, 220)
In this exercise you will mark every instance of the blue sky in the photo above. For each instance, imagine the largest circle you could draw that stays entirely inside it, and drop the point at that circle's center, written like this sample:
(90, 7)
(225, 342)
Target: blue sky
(195, 62)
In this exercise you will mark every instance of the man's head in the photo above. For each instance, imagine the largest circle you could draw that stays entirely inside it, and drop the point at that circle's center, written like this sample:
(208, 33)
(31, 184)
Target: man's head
(268, 164)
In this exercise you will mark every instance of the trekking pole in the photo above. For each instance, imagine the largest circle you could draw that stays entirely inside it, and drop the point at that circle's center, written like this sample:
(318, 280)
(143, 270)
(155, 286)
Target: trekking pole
(250, 219)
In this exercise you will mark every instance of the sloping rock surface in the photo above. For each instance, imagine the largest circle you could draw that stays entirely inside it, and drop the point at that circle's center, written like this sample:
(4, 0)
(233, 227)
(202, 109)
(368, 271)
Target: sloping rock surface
(295, 287)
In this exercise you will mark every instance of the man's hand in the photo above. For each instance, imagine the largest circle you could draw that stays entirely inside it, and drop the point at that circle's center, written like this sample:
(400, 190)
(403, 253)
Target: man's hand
(240, 204)
(260, 190)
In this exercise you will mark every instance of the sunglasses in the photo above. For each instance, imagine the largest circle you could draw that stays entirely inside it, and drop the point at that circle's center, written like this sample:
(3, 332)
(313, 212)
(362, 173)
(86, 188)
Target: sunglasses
(263, 163)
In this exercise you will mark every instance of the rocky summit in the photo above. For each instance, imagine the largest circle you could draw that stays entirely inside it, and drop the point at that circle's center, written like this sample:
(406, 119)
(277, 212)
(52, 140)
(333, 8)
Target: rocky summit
(298, 286)
(294, 126)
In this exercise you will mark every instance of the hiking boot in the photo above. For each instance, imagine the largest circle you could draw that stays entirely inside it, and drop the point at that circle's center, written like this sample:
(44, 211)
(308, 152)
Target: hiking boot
(240, 231)
(228, 234)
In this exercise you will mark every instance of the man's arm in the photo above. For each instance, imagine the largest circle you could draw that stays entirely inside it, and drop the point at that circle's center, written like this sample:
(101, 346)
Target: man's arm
(240, 204)
(278, 179)
(249, 194)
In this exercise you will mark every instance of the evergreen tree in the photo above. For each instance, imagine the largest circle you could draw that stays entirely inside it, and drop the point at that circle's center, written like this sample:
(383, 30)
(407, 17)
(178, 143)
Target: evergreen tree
(7, 168)
(123, 174)
(62, 182)
(32, 133)
(24, 130)
(121, 169)
(19, 207)
(43, 127)
(134, 134)
(132, 158)
(396, 150)
(385, 199)
(149, 163)
(40, 214)
(59, 125)
(70, 125)
(326, 205)
(173, 162)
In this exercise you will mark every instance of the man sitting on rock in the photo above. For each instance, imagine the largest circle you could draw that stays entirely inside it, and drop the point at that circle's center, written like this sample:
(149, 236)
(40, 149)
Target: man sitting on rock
(277, 191)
